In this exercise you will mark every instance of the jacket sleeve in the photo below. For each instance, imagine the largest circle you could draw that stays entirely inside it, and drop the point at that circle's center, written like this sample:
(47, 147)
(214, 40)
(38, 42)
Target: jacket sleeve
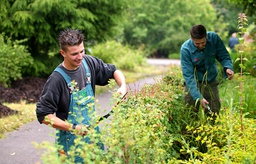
(222, 55)
(188, 72)
(49, 99)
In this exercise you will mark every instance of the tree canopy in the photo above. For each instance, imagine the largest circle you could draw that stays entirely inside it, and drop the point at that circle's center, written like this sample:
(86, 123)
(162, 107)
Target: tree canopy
(41, 20)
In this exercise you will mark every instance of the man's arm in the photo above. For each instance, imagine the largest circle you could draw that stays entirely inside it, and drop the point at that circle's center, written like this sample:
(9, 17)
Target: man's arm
(120, 80)
(189, 75)
(189, 72)
(224, 58)
(57, 123)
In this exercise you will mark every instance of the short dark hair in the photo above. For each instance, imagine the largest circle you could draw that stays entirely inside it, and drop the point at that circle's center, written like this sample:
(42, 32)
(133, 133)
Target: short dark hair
(70, 37)
(198, 31)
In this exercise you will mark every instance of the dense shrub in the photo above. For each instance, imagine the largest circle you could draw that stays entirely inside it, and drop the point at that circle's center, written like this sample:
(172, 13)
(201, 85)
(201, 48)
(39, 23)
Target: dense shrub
(42, 67)
(122, 56)
(13, 57)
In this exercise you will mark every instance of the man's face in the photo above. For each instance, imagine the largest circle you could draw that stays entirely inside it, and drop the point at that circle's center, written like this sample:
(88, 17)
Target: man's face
(73, 56)
(199, 43)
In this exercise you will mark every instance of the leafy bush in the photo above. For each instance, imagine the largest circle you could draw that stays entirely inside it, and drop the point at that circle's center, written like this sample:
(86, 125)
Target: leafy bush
(13, 57)
(123, 57)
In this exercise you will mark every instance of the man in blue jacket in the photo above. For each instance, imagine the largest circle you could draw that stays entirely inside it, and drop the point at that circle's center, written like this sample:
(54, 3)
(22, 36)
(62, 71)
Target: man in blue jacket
(198, 62)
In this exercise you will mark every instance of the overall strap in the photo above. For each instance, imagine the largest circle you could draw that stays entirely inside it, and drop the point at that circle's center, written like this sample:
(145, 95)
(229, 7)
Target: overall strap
(65, 76)
(86, 66)
(88, 74)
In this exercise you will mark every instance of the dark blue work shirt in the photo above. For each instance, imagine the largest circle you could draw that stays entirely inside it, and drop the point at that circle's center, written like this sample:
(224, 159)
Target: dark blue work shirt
(200, 65)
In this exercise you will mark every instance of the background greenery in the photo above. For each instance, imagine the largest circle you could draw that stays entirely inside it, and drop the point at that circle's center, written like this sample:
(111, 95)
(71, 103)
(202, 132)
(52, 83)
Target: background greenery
(155, 28)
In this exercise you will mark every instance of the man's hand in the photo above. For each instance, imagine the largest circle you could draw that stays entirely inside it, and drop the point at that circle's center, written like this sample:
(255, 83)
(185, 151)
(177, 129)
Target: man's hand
(122, 90)
(230, 74)
(120, 80)
(204, 103)
(81, 130)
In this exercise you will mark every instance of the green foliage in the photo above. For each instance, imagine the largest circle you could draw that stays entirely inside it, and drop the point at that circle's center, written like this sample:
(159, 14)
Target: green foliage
(42, 67)
(244, 58)
(123, 57)
(154, 126)
(248, 60)
(242, 26)
(223, 140)
(13, 57)
(229, 12)
(162, 26)
(41, 21)
(248, 5)
(135, 137)
(174, 56)
(231, 89)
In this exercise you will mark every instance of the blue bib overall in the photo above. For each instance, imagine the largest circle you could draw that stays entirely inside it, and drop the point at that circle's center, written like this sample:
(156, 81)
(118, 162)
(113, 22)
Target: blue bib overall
(80, 111)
